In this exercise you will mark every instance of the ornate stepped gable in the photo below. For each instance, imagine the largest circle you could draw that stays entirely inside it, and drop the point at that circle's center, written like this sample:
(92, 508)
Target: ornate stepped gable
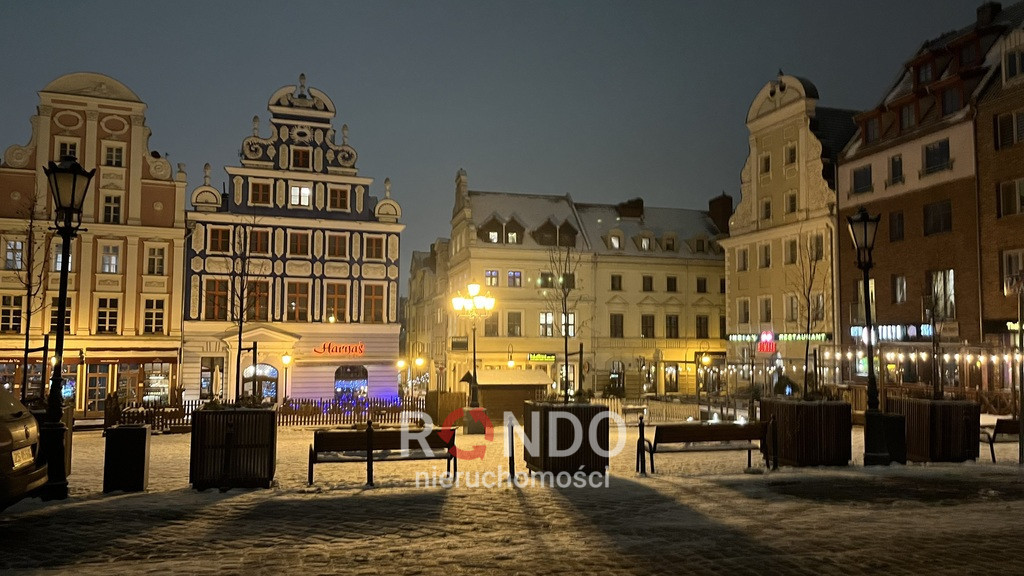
(301, 117)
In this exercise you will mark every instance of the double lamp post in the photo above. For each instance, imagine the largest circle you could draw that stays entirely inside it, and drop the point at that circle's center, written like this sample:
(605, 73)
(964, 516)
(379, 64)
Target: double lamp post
(473, 307)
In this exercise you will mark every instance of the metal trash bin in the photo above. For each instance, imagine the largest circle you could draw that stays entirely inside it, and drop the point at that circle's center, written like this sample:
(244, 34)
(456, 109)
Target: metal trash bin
(895, 427)
(126, 458)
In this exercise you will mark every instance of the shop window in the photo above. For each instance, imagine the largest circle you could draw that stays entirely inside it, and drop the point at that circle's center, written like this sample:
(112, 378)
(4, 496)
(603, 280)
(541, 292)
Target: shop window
(211, 377)
(260, 380)
(350, 383)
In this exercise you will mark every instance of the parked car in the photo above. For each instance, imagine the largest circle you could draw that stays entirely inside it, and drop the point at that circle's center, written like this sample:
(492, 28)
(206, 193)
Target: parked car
(19, 447)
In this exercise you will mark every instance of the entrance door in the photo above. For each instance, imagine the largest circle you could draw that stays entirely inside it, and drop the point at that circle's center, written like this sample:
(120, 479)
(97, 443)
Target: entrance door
(96, 390)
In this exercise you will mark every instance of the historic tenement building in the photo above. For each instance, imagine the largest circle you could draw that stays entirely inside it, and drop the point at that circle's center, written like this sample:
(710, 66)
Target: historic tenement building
(646, 300)
(939, 172)
(1000, 151)
(779, 256)
(124, 301)
(295, 265)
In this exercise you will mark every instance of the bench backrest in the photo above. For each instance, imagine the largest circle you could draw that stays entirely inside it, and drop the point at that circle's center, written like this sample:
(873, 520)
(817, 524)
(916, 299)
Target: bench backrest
(1007, 426)
(389, 439)
(696, 432)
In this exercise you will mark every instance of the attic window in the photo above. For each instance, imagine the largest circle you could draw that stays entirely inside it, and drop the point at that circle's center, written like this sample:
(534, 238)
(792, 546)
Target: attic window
(924, 73)
(492, 237)
(511, 238)
(699, 246)
(645, 244)
(871, 130)
(670, 244)
(615, 242)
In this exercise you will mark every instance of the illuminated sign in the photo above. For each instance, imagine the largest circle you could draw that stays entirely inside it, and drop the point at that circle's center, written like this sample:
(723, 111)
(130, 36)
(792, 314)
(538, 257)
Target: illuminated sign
(766, 343)
(540, 357)
(893, 332)
(335, 349)
(781, 337)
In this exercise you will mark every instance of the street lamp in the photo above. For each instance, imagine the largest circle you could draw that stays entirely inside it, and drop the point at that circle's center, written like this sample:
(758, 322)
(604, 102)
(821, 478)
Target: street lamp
(68, 183)
(511, 362)
(286, 360)
(473, 307)
(862, 230)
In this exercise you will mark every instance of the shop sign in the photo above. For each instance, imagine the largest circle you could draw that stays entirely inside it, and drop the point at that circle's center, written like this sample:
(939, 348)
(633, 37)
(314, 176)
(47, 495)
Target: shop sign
(894, 332)
(335, 349)
(766, 343)
(540, 357)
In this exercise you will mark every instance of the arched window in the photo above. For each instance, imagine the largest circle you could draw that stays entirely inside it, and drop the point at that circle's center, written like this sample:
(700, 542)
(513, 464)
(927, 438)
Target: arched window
(260, 380)
(350, 382)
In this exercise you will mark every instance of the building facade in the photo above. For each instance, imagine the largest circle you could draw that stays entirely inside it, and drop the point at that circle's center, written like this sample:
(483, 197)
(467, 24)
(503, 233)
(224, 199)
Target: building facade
(644, 293)
(292, 274)
(123, 330)
(916, 162)
(779, 263)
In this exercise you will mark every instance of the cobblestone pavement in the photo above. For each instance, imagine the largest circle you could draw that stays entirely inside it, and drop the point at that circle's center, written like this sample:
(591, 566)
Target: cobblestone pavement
(699, 515)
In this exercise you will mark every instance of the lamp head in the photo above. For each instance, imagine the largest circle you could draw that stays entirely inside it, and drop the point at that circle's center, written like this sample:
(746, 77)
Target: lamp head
(69, 183)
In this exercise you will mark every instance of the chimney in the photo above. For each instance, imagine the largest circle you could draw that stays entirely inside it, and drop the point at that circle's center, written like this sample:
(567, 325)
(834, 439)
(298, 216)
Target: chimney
(987, 13)
(720, 210)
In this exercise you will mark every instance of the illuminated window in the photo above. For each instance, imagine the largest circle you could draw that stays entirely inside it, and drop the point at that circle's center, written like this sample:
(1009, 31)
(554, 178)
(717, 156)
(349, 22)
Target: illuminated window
(300, 196)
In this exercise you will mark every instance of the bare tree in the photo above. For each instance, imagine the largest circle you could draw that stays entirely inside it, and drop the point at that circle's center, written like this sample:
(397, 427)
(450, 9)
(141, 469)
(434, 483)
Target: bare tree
(249, 288)
(31, 260)
(559, 287)
(808, 283)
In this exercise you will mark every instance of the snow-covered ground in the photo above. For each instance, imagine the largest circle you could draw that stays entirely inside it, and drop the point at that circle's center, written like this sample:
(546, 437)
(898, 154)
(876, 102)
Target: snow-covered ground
(702, 513)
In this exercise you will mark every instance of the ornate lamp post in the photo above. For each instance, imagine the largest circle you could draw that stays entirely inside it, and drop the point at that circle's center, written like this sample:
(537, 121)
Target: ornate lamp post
(69, 183)
(473, 307)
(286, 360)
(862, 229)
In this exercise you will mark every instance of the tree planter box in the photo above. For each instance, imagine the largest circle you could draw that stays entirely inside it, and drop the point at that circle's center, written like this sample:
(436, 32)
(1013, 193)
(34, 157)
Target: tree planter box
(546, 420)
(810, 433)
(233, 448)
(939, 430)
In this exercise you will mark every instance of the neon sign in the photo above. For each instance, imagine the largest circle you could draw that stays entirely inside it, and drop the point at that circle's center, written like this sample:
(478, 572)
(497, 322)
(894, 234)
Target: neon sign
(335, 349)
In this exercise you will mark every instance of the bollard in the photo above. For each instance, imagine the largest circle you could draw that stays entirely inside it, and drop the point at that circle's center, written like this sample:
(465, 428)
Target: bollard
(369, 452)
(641, 464)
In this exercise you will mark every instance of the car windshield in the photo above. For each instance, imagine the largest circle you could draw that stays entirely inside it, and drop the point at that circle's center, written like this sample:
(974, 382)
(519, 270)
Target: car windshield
(9, 404)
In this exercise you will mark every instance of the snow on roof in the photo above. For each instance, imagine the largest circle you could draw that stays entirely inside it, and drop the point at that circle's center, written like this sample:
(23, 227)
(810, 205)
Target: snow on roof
(593, 221)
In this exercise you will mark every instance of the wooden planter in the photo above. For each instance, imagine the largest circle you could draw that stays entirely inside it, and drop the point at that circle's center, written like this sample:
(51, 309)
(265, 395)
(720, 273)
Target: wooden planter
(233, 448)
(810, 433)
(539, 428)
(939, 430)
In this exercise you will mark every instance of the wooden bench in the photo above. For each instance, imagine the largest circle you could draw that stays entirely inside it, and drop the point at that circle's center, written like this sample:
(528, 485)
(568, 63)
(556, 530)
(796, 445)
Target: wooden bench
(375, 445)
(1004, 427)
(705, 437)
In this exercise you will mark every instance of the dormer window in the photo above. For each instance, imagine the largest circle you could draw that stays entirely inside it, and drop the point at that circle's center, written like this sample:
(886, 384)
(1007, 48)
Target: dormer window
(871, 130)
(492, 237)
(968, 55)
(645, 244)
(615, 242)
(699, 246)
(907, 118)
(670, 244)
(1013, 64)
(924, 73)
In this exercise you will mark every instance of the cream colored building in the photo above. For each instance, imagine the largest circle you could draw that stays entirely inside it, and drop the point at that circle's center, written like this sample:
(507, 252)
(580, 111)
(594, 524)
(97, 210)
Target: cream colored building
(779, 254)
(648, 297)
(125, 298)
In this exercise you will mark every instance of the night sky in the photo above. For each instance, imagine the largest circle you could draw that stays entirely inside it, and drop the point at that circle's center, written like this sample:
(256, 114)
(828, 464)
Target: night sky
(602, 100)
